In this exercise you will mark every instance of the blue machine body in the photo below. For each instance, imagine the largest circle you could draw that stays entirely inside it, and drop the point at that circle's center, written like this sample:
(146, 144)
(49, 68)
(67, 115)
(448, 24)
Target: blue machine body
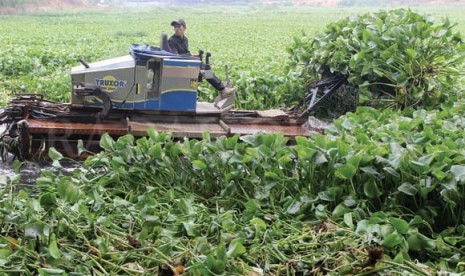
(146, 79)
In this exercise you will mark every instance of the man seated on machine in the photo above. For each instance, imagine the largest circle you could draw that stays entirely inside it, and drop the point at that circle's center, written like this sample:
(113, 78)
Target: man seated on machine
(179, 45)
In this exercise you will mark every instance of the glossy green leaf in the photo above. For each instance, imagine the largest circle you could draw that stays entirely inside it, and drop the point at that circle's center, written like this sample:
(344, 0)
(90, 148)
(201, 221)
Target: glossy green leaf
(3, 179)
(156, 151)
(418, 167)
(370, 189)
(189, 226)
(294, 207)
(106, 142)
(400, 225)
(348, 220)
(50, 271)
(4, 254)
(272, 176)
(392, 240)
(80, 147)
(458, 171)
(54, 154)
(345, 171)
(53, 247)
(199, 165)
(68, 191)
(419, 242)
(236, 249)
(47, 200)
(408, 189)
(258, 224)
(339, 211)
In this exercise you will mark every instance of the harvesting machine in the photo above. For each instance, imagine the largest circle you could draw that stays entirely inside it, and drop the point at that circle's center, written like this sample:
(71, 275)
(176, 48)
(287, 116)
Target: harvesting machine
(149, 88)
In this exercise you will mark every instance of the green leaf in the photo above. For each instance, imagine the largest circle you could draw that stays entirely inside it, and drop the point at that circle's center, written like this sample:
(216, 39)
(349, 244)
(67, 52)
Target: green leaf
(392, 240)
(369, 170)
(355, 160)
(221, 252)
(54, 154)
(80, 146)
(216, 266)
(371, 189)
(391, 171)
(248, 139)
(417, 221)
(418, 167)
(231, 142)
(320, 158)
(348, 220)
(362, 227)
(304, 153)
(345, 171)
(47, 200)
(189, 226)
(347, 124)
(50, 271)
(272, 176)
(294, 207)
(156, 151)
(329, 195)
(339, 211)
(408, 189)
(17, 166)
(440, 33)
(258, 223)
(53, 247)
(107, 143)
(236, 249)
(253, 205)
(458, 171)
(411, 53)
(68, 191)
(401, 225)
(5, 253)
(206, 136)
(199, 165)
(419, 242)
(185, 205)
(3, 179)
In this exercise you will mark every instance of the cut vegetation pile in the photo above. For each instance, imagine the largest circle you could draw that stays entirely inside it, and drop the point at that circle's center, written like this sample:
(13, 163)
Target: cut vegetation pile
(396, 58)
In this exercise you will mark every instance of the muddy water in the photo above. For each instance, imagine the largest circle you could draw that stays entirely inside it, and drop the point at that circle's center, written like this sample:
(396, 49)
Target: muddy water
(30, 171)
(27, 173)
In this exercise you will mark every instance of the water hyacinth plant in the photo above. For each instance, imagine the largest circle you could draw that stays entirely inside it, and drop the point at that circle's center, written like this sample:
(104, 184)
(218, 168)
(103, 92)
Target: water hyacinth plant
(397, 58)
(240, 206)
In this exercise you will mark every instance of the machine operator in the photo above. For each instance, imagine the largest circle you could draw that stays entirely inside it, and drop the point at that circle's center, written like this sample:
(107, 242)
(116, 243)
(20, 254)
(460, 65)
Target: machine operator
(179, 45)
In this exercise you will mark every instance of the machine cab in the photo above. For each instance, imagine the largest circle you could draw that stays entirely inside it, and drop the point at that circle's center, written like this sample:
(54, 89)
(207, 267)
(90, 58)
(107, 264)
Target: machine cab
(147, 79)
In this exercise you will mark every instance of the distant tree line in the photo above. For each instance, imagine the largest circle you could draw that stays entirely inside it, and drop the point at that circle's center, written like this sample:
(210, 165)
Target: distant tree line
(342, 3)
(16, 3)
(19, 3)
(383, 3)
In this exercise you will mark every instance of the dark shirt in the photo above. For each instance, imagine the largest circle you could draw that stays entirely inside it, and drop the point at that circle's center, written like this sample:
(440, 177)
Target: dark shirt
(178, 45)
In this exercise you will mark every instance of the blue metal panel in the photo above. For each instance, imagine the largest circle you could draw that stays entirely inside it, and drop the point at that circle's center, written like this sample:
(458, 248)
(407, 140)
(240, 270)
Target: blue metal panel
(142, 105)
(181, 63)
(169, 101)
(178, 101)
